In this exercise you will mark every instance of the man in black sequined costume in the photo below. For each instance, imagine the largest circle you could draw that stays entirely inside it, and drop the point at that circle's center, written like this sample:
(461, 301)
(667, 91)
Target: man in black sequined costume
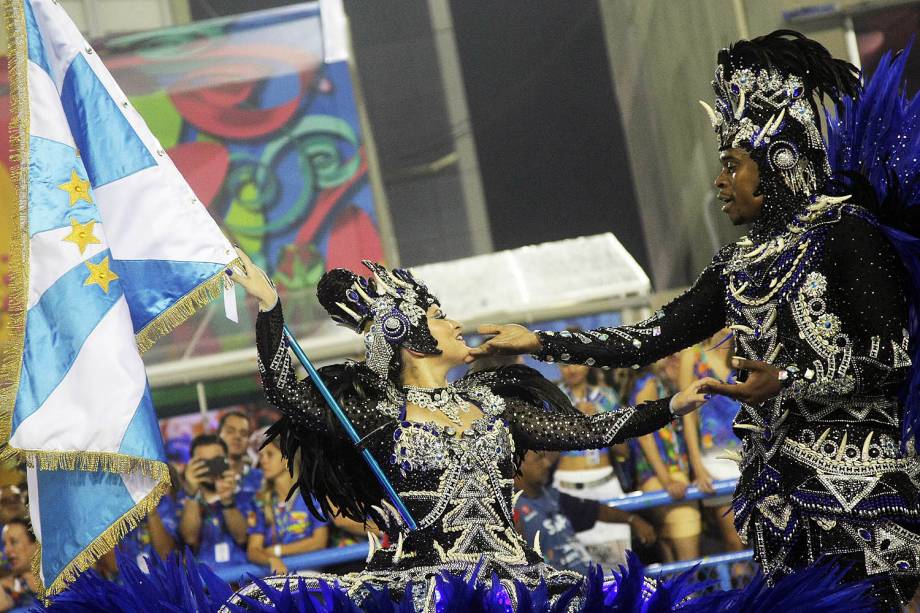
(815, 296)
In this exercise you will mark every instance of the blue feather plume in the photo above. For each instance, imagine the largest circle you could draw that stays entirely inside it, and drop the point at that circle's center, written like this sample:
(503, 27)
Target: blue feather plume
(819, 588)
(875, 141)
(182, 585)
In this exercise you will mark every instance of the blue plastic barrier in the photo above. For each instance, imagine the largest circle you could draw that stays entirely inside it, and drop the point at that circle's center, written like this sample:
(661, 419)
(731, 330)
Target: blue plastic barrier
(303, 561)
(635, 501)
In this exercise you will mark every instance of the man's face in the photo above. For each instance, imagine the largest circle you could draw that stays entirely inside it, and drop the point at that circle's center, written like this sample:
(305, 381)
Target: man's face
(235, 433)
(208, 452)
(737, 183)
(535, 468)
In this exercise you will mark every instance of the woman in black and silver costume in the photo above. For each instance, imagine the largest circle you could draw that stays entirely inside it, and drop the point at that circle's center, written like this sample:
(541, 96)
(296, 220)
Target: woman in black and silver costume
(451, 451)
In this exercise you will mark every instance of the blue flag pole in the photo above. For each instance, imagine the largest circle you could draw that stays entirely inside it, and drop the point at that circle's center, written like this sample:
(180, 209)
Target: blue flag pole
(349, 429)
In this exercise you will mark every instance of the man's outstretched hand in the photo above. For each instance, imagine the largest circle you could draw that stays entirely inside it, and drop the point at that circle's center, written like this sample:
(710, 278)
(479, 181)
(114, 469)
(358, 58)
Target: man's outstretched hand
(510, 339)
(762, 383)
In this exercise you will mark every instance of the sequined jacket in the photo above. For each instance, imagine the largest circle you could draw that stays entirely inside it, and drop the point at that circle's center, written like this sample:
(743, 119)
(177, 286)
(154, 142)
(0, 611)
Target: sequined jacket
(822, 459)
(457, 486)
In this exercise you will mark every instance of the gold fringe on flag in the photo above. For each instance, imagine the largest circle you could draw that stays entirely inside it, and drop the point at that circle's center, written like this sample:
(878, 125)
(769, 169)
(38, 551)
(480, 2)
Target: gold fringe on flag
(18, 216)
(103, 543)
(93, 461)
(184, 308)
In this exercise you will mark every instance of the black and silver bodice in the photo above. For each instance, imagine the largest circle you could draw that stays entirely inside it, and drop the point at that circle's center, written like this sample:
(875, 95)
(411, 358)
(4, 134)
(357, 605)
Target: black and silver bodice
(823, 471)
(458, 486)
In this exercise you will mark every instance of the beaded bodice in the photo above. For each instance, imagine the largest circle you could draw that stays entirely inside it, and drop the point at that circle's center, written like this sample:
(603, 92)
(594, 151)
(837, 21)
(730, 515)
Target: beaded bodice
(458, 488)
(801, 300)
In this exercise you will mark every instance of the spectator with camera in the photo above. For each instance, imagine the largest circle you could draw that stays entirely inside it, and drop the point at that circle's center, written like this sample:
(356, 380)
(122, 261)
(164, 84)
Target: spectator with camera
(213, 515)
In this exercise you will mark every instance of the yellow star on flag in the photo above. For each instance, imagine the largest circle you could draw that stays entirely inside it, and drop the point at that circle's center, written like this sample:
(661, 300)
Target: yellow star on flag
(81, 234)
(99, 274)
(77, 187)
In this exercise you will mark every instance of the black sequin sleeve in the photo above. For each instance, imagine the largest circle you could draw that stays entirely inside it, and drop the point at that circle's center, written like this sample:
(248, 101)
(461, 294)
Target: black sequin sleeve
(851, 315)
(298, 400)
(690, 318)
(536, 428)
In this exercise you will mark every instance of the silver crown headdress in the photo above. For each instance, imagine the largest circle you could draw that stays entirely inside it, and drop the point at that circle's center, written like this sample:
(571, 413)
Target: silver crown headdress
(765, 110)
(768, 91)
(395, 305)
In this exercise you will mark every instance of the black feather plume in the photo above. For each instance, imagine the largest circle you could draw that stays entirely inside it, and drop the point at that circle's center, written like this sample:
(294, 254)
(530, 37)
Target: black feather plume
(791, 52)
(333, 477)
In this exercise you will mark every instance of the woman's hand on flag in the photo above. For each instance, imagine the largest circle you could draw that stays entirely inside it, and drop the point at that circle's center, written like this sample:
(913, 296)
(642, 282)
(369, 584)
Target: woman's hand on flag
(254, 281)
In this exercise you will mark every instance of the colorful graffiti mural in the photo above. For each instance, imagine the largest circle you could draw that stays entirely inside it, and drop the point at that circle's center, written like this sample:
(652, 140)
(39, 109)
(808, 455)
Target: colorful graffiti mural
(268, 135)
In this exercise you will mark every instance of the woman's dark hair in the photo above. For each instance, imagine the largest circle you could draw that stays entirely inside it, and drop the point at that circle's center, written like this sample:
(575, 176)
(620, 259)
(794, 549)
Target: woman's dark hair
(264, 495)
(206, 439)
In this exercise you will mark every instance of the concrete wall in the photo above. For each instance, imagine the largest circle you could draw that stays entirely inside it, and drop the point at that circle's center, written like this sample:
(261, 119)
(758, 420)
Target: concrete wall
(97, 18)
(662, 56)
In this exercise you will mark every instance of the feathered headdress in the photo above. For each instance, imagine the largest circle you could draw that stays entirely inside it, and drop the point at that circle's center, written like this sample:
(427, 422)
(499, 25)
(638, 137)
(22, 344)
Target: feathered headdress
(767, 95)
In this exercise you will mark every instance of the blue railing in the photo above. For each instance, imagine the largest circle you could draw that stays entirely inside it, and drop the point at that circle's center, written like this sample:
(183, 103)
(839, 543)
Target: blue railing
(720, 563)
(636, 501)
(303, 561)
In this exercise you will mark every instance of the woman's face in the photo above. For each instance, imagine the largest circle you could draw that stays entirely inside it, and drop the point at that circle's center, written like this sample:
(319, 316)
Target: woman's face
(12, 503)
(669, 367)
(19, 548)
(447, 333)
(271, 462)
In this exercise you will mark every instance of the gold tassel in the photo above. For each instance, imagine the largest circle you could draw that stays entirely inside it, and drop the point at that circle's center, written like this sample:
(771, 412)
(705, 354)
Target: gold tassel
(89, 461)
(184, 308)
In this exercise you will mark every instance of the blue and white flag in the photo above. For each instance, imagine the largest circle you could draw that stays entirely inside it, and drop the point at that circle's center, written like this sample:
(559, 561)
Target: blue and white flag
(111, 250)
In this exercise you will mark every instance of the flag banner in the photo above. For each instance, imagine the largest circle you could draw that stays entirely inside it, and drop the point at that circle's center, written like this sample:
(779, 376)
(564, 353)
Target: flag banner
(109, 249)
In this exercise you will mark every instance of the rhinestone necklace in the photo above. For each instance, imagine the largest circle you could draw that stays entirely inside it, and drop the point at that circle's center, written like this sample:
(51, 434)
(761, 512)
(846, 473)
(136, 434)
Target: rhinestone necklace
(447, 400)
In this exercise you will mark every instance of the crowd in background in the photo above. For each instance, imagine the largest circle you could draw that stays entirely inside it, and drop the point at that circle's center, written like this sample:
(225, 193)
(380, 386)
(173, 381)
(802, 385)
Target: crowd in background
(232, 509)
(230, 501)
(561, 491)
